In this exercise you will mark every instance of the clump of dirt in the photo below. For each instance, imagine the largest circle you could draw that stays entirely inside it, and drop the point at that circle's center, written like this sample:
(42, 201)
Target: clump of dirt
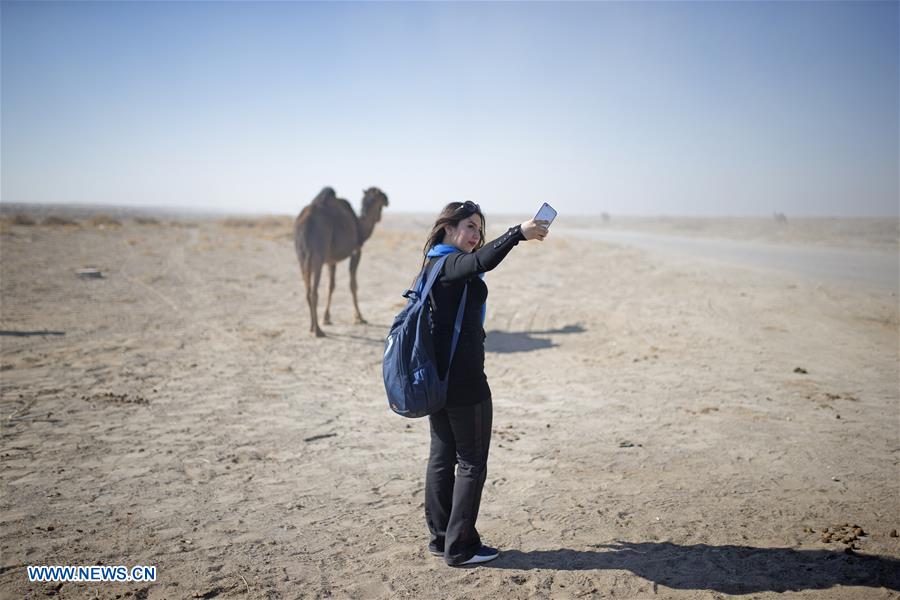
(113, 398)
(509, 434)
(844, 534)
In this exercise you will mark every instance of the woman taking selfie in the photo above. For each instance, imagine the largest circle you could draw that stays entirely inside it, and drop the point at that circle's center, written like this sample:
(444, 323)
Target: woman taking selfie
(461, 431)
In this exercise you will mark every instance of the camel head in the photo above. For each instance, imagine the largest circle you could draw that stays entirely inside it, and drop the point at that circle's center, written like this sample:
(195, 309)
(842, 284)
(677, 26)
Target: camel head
(372, 203)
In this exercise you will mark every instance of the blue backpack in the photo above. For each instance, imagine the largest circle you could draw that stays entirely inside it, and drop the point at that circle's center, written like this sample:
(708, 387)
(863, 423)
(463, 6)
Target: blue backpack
(411, 380)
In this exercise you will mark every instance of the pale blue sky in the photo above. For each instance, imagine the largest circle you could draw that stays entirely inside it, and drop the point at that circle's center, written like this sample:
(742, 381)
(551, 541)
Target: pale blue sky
(678, 108)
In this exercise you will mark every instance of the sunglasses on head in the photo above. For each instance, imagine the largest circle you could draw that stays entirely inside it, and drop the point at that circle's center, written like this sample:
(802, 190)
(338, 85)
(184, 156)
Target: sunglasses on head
(471, 207)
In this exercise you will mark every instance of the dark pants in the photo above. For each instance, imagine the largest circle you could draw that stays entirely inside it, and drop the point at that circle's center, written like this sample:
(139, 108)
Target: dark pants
(461, 438)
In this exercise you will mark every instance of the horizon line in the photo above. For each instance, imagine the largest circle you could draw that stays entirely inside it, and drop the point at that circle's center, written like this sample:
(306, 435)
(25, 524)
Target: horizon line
(6, 206)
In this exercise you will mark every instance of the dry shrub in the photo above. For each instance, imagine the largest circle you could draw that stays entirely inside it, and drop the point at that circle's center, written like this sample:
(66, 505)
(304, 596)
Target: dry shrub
(271, 222)
(103, 220)
(270, 228)
(55, 221)
(237, 222)
(21, 219)
(278, 222)
(279, 236)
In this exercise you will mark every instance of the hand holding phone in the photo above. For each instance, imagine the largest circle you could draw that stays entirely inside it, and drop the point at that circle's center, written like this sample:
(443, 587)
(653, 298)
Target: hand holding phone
(532, 231)
(545, 213)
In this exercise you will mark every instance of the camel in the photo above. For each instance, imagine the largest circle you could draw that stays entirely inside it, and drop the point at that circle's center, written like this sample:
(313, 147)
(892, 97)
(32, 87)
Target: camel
(326, 232)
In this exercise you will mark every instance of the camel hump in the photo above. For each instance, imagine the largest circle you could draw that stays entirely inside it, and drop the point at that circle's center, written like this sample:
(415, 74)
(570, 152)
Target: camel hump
(327, 203)
(326, 227)
(326, 196)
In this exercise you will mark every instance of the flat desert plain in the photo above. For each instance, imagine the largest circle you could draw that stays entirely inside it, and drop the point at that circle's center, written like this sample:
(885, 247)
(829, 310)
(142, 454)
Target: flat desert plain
(663, 427)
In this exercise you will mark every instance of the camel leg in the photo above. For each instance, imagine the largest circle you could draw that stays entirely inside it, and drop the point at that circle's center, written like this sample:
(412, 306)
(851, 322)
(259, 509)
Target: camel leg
(354, 264)
(307, 284)
(312, 274)
(327, 318)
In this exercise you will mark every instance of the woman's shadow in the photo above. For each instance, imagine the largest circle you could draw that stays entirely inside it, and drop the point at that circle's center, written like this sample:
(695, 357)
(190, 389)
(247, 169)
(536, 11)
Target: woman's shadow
(727, 569)
(524, 341)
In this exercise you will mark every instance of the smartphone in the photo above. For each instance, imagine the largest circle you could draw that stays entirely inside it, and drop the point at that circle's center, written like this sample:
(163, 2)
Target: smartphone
(546, 213)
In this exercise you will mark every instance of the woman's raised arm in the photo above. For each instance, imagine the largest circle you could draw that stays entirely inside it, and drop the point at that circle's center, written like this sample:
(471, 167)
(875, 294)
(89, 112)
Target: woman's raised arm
(462, 265)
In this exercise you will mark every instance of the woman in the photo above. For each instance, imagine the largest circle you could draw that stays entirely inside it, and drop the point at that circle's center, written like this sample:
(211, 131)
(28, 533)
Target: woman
(461, 431)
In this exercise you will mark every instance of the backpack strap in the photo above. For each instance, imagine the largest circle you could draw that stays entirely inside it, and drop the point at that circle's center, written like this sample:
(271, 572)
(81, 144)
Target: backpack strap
(423, 288)
(432, 276)
(422, 285)
(458, 326)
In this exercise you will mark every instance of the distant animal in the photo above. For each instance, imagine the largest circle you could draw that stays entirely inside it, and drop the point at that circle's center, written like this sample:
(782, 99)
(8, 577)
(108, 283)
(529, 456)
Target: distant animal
(326, 232)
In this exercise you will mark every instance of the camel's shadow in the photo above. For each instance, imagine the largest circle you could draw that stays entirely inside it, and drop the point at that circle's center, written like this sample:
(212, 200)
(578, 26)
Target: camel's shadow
(726, 569)
(506, 341)
(30, 333)
(368, 329)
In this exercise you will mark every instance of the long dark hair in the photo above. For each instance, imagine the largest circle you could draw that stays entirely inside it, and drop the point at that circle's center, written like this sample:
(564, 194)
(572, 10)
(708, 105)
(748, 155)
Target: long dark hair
(452, 214)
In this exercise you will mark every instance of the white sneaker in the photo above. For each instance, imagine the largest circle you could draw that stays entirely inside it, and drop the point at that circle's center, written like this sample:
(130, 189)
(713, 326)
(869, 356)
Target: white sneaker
(484, 554)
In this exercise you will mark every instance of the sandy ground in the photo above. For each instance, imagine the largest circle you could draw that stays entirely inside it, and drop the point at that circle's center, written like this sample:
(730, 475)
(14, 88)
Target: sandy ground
(849, 233)
(662, 429)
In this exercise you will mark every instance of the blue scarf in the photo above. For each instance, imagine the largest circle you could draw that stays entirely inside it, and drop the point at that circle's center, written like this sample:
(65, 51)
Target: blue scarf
(443, 250)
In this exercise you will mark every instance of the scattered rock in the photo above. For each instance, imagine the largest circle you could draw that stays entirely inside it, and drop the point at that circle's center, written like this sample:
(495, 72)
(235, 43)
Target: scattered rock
(893, 533)
(89, 273)
(800, 370)
(321, 436)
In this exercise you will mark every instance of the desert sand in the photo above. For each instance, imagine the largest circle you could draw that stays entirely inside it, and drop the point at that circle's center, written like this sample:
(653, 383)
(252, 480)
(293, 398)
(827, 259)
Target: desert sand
(662, 428)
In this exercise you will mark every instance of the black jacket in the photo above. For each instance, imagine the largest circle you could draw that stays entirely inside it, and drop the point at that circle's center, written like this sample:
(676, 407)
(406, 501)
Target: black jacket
(468, 383)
